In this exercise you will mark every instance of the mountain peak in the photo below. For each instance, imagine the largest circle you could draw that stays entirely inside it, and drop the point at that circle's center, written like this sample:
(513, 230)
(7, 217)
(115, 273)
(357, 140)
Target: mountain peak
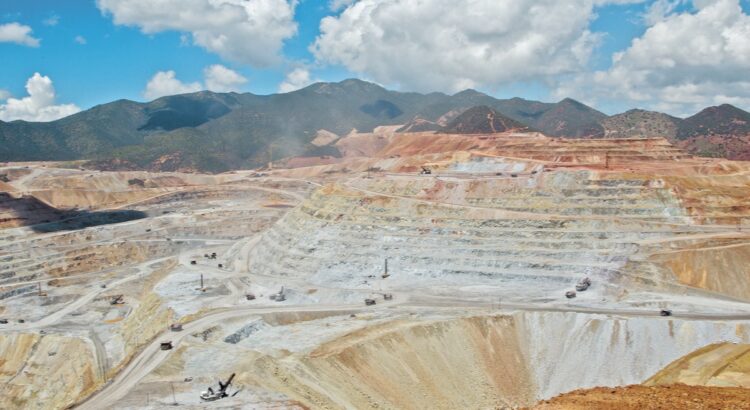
(725, 119)
(574, 103)
(348, 85)
(469, 92)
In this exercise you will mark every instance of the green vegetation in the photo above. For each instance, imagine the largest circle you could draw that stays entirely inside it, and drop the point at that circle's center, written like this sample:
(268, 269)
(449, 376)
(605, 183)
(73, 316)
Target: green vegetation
(213, 132)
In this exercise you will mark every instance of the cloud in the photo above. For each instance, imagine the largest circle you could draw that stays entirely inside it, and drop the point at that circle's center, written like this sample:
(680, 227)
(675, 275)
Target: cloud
(682, 63)
(80, 40)
(336, 5)
(17, 33)
(165, 83)
(418, 45)
(295, 79)
(221, 79)
(39, 105)
(217, 78)
(245, 31)
(4, 94)
(659, 10)
(51, 20)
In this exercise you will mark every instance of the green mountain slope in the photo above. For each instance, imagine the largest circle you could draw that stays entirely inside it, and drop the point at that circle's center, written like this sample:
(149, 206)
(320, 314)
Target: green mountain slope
(214, 132)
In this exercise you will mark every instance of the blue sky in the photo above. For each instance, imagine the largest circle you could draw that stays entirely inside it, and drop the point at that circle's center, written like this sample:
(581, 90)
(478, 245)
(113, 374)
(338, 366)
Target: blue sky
(94, 53)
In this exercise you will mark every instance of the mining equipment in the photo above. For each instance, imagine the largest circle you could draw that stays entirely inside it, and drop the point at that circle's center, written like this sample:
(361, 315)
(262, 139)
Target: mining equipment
(117, 300)
(387, 296)
(175, 327)
(3, 321)
(369, 302)
(212, 395)
(385, 273)
(193, 262)
(665, 312)
(425, 171)
(221, 265)
(570, 294)
(250, 296)
(21, 321)
(40, 290)
(583, 284)
(279, 297)
(166, 345)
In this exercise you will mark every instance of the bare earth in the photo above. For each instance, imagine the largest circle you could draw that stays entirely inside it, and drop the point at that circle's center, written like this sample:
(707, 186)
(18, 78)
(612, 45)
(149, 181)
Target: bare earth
(675, 396)
(96, 266)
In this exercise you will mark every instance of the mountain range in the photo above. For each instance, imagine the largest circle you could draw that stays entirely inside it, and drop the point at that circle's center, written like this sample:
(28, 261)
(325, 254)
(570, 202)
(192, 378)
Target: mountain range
(215, 132)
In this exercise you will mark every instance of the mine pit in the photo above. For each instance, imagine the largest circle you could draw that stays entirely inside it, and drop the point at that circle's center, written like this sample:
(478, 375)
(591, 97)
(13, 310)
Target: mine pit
(468, 266)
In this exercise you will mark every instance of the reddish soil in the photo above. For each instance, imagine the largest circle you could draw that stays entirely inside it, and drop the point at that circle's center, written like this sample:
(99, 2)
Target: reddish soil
(675, 396)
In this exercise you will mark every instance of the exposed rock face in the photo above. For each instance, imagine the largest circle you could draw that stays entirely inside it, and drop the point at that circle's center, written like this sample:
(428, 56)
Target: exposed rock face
(481, 361)
(482, 120)
(324, 137)
(716, 376)
(45, 371)
(420, 125)
(720, 364)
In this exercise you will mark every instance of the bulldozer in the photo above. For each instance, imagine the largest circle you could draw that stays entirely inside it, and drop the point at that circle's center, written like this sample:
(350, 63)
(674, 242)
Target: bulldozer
(425, 171)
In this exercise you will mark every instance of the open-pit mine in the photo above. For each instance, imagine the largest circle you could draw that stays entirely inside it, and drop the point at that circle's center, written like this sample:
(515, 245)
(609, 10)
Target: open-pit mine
(417, 271)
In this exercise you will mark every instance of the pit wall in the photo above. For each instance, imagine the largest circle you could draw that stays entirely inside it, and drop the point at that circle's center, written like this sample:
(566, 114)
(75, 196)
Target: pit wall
(485, 361)
(44, 371)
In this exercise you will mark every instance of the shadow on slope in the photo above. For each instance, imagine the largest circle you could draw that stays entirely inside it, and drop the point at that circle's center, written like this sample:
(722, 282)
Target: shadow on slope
(43, 218)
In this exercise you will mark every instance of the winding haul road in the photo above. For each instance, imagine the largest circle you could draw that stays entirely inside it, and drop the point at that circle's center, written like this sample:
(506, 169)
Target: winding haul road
(152, 356)
(55, 317)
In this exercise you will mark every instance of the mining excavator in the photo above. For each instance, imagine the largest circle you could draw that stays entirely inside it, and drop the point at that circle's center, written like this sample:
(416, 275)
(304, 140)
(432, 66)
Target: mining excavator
(213, 395)
(425, 171)
(280, 296)
(385, 273)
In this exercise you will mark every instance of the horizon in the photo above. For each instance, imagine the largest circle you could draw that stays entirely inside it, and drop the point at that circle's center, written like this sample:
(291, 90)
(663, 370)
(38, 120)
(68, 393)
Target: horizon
(612, 55)
(389, 90)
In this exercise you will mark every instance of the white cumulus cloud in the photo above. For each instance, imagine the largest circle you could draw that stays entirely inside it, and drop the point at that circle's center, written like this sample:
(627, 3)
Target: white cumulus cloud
(217, 78)
(80, 40)
(419, 45)
(682, 63)
(336, 5)
(39, 105)
(17, 33)
(4, 94)
(295, 79)
(222, 79)
(166, 83)
(246, 31)
(659, 10)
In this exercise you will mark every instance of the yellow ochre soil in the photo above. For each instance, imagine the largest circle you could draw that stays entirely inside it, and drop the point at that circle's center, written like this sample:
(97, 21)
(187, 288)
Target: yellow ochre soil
(674, 396)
